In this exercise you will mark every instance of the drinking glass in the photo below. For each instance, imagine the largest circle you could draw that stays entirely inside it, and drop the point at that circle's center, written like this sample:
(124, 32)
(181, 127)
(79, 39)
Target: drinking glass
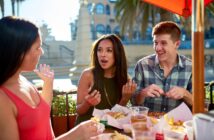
(139, 114)
(141, 132)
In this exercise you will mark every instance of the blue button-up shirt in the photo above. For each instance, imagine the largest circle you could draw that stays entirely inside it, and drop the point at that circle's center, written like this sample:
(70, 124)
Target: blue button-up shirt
(148, 71)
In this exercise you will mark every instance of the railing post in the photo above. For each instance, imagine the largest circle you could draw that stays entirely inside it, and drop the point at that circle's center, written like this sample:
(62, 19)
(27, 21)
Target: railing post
(211, 105)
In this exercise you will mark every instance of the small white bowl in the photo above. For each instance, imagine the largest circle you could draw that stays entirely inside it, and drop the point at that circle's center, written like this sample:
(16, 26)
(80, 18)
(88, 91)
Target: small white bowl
(189, 129)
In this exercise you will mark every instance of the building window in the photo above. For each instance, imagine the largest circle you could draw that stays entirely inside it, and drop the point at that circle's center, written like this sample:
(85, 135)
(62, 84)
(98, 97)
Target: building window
(117, 30)
(136, 36)
(108, 10)
(112, 1)
(100, 8)
(108, 29)
(149, 33)
(89, 7)
(100, 29)
(115, 11)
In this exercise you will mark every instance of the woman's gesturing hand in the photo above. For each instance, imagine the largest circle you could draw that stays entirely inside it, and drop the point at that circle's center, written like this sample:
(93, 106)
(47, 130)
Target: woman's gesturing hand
(94, 98)
(45, 73)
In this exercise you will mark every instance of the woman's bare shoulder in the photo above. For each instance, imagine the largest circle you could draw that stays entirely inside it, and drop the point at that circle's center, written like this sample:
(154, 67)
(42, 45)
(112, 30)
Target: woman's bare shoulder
(88, 73)
(5, 101)
(3, 96)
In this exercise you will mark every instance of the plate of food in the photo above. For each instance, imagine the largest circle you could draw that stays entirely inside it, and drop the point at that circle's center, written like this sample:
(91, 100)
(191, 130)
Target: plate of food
(117, 115)
(114, 136)
(156, 115)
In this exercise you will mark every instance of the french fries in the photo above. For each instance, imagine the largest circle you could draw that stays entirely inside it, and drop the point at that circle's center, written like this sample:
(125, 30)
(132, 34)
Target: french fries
(172, 122)
(175, 125)
(117, 115)
(95, 119)
(157, 115)
(153, 120)
(118, 136)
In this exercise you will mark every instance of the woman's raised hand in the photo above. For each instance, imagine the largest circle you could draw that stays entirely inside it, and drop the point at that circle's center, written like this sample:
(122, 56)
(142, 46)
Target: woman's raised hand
(45, 73)
(93, 98)
(128, 89)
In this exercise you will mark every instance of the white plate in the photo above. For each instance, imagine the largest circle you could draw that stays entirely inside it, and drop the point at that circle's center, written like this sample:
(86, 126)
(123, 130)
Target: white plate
(107, 136)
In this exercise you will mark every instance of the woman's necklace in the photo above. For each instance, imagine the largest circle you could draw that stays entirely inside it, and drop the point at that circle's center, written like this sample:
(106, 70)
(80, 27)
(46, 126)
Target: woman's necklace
(107, 97)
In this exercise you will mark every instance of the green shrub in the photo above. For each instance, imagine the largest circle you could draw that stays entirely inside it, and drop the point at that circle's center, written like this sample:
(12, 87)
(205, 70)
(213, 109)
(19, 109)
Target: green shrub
(59, 104)
(207, 91)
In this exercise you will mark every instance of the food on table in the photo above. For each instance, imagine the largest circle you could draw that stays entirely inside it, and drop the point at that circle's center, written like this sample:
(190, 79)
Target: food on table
(175, 125)
(117, 115)
(95, 119)
(157, 115)
(172, 122)
(118, 136)
(138, 118)
(154, 120)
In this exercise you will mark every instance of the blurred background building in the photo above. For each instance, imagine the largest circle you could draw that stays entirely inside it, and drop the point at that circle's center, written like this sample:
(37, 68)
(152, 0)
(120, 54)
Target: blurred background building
(98, 17)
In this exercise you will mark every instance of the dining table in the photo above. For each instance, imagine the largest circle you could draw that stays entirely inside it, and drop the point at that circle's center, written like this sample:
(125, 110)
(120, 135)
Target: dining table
(113, 129)
(158, 136)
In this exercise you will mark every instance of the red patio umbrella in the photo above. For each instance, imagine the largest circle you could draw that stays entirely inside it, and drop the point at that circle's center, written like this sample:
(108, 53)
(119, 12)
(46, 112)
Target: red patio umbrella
(196, 8)
(180, 7)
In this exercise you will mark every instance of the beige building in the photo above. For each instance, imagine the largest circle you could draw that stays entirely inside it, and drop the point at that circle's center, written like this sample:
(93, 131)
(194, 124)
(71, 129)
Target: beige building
(59, 55)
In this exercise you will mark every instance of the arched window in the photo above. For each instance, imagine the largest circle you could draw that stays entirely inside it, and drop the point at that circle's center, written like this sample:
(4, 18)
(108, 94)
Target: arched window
(149, 33)
(117, 30)
(115, 11)
(108, 11)
(112, 1)
(100, 29)
(100, 8)
(108, 29)
(89, 7)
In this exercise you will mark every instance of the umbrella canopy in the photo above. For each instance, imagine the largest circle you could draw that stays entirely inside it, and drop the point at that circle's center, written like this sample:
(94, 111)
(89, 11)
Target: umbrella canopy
(180, 7)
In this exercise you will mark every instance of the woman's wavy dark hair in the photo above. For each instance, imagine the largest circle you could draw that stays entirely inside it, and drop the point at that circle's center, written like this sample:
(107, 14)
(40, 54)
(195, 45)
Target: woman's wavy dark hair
(16, 38)
(121, 75)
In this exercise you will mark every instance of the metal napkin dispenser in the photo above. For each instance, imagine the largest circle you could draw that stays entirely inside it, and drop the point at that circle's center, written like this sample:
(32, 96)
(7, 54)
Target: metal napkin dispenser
(204, 126)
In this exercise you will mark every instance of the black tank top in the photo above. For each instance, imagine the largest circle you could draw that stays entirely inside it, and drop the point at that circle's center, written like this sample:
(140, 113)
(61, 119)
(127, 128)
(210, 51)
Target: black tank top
(109, 97)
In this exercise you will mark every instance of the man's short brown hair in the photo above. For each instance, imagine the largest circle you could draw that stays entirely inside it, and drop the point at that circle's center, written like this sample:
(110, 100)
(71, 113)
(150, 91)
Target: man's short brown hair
(167, 27)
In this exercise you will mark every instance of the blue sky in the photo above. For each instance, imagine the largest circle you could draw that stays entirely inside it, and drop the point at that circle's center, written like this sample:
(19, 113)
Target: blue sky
(58, 14)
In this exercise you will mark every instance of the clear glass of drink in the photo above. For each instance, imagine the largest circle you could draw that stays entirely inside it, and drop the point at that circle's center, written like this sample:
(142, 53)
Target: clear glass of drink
(139, 114)
(140, 131)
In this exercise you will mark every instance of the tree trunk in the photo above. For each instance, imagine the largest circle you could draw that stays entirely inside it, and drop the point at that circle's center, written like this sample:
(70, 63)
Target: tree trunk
(2, 7)
(165, 15)
(13, 7)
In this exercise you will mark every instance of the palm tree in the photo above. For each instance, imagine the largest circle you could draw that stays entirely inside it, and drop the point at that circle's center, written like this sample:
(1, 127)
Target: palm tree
(2, 7)
(13, 6)
(131, 13)
(186, 23)
(210, 8)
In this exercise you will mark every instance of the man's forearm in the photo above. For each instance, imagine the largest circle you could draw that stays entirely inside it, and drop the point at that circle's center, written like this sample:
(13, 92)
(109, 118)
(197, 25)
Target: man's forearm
(188, 98)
